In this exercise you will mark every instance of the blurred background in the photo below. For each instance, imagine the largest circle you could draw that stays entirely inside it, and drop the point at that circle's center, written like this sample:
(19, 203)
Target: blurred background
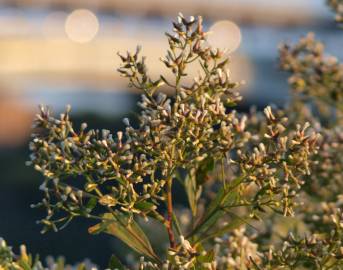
(58, 52)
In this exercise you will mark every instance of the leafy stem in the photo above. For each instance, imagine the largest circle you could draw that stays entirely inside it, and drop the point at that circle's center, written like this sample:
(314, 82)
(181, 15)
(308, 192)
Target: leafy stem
(169, 223)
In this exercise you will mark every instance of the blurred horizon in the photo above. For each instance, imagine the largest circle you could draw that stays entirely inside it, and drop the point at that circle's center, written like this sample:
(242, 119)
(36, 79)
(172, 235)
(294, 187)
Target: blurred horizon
(47, 47)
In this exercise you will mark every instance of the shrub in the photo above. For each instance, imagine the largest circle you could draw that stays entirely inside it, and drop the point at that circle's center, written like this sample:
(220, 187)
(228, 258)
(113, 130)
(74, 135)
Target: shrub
(236, 169)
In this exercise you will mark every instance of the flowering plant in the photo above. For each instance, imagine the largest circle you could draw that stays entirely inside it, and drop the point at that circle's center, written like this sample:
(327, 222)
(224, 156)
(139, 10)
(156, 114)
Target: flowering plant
(236, 169)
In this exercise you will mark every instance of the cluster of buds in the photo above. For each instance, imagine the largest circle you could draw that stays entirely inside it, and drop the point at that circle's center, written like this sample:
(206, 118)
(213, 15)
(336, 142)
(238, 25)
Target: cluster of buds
(24, 260)
(276, 165)
(326, 180)
(317, 85)
(6, 254)
(106, 165)
(237, 251)
(188, 136)
(316, 251)
(318, 78)
(337, 6)
(315, 77)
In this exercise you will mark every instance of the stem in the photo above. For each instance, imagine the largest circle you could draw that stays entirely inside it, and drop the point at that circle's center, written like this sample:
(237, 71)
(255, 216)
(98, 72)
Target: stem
(223, 173)
(169, 223)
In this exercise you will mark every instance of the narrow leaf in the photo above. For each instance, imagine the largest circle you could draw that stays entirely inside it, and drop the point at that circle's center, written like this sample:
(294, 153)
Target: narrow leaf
(191, 191)
(205, 167)
(115, 263)
(127, 231)
(215, 211)
(234, 223)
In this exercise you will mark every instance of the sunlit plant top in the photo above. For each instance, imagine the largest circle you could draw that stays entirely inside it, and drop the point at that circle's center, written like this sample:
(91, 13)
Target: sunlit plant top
(240, 172)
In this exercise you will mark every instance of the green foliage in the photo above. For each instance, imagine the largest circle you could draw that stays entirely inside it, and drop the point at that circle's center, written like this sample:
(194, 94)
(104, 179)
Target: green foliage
(337, 6)
(25, 261)
(127, 231)
(236, 169)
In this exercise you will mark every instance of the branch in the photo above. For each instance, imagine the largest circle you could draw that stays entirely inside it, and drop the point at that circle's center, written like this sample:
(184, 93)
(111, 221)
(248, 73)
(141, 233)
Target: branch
(169, 223)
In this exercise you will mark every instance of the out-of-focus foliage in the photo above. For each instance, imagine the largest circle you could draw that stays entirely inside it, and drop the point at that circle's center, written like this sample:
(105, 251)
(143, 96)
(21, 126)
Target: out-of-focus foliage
(25, 261)
(237, 170)
(337, 6)
(315, 77)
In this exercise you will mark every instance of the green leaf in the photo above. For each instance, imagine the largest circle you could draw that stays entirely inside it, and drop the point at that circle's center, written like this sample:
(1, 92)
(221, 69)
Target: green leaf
(204, 168)
(194, 181)
(215, 210)
(207, 258)
(217, 201)
(25, 260)
(60, 264)
(128, 231)
(144, 206)
(81, 266)
(91, 204)
(24, 265)
(191, 191)
(177, 225)
(235, 222)
(115, 263)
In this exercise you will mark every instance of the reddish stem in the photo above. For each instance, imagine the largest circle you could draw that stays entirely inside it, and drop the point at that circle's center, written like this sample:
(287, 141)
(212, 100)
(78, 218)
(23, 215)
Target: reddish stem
(169, 224)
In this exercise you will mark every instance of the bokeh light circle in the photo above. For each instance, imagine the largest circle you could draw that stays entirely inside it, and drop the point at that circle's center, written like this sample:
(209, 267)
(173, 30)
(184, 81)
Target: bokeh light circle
(81, 26)
(225, 35)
